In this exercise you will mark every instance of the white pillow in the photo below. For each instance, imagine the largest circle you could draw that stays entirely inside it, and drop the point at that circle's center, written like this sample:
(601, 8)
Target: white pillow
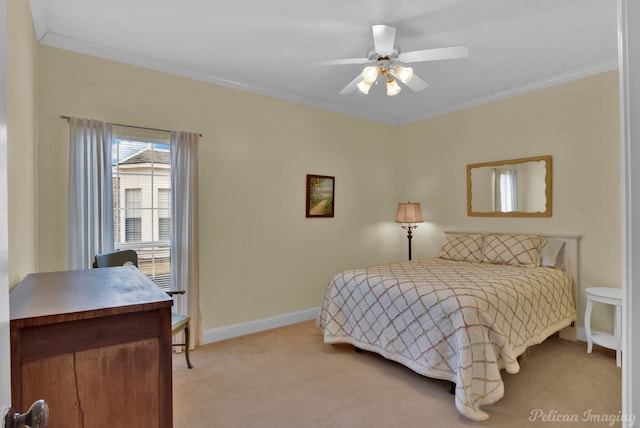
(551, 254)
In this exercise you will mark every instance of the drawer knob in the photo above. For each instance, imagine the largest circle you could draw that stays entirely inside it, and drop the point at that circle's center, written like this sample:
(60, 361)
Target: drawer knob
(36, 417)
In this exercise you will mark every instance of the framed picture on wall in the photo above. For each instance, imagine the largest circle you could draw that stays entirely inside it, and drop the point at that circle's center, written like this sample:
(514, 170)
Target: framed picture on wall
(320, 195)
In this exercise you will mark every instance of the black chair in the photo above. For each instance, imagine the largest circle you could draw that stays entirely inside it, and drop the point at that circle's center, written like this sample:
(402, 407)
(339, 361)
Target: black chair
(179, 322)
(117, 258)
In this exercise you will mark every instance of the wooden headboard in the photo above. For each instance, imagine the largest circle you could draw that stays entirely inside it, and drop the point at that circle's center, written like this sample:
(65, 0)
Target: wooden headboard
(570, 257)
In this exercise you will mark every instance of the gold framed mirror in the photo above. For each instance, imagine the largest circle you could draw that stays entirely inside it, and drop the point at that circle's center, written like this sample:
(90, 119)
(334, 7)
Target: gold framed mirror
(510, 188)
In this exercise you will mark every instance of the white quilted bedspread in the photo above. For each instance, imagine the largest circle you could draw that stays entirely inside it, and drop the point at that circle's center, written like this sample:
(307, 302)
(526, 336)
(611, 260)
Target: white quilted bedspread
(451, 320)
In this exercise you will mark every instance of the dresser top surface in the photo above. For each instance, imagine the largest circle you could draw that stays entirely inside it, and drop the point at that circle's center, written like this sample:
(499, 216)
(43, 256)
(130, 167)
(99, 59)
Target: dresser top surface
(78, 294)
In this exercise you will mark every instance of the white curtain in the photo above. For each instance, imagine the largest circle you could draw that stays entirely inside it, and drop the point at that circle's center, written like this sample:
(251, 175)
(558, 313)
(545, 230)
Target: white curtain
(505, 189)
(184, 228)
(90, 204)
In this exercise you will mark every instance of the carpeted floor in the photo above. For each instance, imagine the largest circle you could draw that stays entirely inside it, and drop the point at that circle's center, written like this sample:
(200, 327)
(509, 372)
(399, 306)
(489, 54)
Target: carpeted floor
(288, 378)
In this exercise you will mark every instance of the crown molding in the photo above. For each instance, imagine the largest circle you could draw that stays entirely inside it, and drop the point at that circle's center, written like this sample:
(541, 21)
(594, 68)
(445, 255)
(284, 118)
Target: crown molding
(91, 49)
(589, 70)
(39, 16)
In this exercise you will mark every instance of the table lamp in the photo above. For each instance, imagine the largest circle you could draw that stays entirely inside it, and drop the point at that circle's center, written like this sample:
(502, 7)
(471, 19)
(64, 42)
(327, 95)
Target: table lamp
(409, 214)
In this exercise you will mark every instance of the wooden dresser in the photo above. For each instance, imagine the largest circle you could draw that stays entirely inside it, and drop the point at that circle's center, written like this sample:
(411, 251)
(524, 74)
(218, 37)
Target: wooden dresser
(96, 345)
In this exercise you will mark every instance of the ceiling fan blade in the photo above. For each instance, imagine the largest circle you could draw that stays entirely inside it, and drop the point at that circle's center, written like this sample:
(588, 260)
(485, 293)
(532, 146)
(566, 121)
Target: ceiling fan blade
(384, 37)
(351, 86)
(416, 84)
(435, 54)
(342, 61)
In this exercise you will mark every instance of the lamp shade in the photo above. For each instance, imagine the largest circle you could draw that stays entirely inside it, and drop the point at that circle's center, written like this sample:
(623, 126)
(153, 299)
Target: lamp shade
(392, 87)
(364, 86)
(404, 73)
(409, 212)
(370, 74)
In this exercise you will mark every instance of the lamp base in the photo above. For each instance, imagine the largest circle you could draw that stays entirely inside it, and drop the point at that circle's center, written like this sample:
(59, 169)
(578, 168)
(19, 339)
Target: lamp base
(409, 235)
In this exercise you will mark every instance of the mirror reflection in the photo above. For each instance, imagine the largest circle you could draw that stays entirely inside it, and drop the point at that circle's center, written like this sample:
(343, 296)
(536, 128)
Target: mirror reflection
(517, 187)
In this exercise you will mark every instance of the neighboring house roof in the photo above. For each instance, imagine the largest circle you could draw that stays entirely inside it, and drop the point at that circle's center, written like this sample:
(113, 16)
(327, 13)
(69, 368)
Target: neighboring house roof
(145, 156)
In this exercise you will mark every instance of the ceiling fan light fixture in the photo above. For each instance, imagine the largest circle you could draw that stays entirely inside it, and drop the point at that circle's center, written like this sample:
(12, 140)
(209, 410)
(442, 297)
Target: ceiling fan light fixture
(370, 74)
(392, 87)
(364, 86)
(403, 73)
(387, 59)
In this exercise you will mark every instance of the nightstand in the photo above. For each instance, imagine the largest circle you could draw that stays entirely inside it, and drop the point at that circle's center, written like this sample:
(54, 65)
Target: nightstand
(609, 296)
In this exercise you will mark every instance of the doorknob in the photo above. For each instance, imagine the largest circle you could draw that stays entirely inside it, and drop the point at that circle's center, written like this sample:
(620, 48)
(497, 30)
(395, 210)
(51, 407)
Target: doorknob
(36, 417)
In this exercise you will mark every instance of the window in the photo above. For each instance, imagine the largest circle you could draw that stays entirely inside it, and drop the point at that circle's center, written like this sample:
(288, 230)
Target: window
(164, 214)
(141, 176)
(505, 190)
(133, 217)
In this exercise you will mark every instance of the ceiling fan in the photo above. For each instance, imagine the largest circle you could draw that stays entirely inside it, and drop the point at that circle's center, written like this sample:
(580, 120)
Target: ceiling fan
(386, 60)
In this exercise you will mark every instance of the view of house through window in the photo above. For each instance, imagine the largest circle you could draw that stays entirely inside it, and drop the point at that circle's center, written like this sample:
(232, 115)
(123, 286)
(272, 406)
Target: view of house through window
(141, 173)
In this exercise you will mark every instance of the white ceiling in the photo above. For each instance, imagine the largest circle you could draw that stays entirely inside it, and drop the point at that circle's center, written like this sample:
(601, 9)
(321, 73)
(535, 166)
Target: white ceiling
(266, 46)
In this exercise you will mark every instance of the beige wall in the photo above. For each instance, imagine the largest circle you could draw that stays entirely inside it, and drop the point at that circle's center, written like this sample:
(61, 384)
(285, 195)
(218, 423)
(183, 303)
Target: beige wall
(21, 135)
(578, 124)
(260, 256)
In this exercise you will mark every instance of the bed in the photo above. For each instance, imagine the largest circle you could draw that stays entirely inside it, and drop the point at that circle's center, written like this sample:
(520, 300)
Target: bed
(462, 316)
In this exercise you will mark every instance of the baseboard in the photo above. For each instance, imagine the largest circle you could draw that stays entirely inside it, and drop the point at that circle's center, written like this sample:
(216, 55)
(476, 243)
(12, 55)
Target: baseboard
(582, 334)
(236, 330)
(241, 329)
